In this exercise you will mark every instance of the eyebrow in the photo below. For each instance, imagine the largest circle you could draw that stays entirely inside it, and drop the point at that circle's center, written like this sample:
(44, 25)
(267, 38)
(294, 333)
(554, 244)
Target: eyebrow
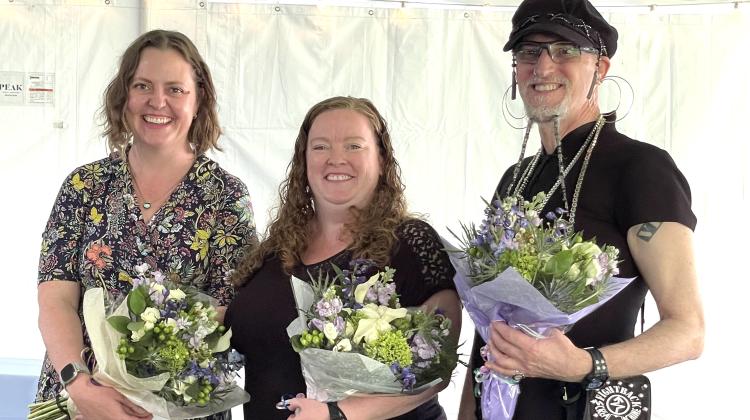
(143, 79)
(345, 138)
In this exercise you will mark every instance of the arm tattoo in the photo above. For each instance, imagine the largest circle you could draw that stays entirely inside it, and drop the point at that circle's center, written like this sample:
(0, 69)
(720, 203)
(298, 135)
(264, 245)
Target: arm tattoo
(648, 230)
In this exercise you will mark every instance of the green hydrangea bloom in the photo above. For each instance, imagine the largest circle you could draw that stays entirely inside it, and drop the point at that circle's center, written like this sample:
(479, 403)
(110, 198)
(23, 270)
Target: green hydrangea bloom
(173, 356)
(526, 265)
(390, 347)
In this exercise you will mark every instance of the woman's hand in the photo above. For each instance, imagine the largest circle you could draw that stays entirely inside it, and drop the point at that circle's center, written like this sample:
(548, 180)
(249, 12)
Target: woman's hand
(307, 409)
(95, 401)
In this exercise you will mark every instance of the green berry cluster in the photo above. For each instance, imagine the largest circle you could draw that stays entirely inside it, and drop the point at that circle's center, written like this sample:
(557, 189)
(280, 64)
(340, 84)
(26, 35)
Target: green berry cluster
(125, 348)
(312, 338)
(204, 394)
(165, 333)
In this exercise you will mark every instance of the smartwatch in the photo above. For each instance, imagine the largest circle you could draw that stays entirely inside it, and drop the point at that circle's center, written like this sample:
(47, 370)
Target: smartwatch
(599, 372)
(69, 373)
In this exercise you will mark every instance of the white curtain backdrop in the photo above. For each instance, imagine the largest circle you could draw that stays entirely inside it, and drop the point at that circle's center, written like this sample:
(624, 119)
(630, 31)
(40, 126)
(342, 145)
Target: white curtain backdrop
(438, 76)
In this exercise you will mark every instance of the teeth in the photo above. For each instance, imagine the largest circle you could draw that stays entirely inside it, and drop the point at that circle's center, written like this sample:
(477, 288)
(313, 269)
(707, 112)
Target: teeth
(338, 177)
(546, 87)
(156, 120)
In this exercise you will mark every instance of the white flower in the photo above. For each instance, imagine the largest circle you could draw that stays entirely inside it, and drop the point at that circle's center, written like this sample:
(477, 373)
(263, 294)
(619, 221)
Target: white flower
(171, 322)
(593, 271)
(377, 320)
(361, 290)
(157, 288)
(148, 326)
(176, 294)
(137, 335)
(151, 315)
(329, 330)
(343, 345)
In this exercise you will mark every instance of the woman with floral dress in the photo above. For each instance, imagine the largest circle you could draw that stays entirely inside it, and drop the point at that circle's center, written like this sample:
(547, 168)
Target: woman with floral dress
(157, 199)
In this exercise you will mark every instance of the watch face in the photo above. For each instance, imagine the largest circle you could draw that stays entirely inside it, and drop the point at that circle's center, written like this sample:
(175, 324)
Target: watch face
(67, 373)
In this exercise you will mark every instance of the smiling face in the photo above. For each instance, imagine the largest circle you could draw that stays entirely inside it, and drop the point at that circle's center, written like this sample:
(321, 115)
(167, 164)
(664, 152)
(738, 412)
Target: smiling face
(162, 99)
(551, 89)
(343, 160)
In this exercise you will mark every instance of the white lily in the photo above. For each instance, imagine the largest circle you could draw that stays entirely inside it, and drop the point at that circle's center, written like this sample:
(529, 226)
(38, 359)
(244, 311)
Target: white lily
(377, 320)
(361, 290)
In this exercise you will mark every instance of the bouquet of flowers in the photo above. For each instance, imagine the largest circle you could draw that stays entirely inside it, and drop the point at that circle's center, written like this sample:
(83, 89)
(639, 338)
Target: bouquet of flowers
(163, 349)
(353, 337)
(531, 273)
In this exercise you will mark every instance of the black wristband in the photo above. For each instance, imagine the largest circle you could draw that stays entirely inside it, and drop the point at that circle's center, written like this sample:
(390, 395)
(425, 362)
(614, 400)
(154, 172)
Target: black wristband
(599, 371)
(334, 412)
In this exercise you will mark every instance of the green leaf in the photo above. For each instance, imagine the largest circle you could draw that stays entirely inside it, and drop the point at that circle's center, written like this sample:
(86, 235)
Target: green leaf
(337, 270)
(140, 353)
(222, 344)
(135, 326)
(119, 323)
(193, 389)
(137, 301)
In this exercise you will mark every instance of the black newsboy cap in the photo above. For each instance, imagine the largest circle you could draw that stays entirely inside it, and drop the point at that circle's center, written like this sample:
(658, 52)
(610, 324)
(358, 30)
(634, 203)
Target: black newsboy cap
(574, 20)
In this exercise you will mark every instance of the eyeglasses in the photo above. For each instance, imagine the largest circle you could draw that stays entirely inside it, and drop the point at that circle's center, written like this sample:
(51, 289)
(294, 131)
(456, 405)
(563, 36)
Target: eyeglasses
(560, 52)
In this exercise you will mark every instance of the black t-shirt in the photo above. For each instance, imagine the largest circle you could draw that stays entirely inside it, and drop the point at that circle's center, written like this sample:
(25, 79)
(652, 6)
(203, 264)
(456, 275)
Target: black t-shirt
(627, 183)
(264, 307)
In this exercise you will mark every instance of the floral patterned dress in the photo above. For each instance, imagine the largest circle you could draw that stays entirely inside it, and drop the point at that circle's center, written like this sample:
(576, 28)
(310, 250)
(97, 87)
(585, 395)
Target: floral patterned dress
(96, 235)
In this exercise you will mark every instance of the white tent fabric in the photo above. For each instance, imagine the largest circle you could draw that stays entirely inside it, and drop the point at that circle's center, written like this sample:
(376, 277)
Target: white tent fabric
(438, 75)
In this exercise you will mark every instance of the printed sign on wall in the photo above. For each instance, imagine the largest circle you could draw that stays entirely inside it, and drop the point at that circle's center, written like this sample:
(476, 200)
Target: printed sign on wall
(11, 88)
(40, 88)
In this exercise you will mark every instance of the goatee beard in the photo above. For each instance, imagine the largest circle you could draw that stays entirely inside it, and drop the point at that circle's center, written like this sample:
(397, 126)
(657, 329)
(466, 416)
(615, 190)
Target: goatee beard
(543, 114)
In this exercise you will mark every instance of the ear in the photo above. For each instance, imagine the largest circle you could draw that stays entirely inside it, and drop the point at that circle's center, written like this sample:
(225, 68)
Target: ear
(604, 64)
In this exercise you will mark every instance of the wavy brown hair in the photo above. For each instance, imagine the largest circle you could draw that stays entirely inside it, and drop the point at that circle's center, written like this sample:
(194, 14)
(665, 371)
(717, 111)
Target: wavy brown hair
(372, 228)
(204, 131)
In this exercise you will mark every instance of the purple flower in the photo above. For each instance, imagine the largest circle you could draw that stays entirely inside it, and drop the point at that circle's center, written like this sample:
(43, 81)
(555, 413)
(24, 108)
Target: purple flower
(423, 349)
(385, 293)
(327, 308)
(408, 379)
(317, 324)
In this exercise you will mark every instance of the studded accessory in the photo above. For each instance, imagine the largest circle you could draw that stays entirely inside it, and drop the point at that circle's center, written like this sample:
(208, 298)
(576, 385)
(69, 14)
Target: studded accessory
(599, 372)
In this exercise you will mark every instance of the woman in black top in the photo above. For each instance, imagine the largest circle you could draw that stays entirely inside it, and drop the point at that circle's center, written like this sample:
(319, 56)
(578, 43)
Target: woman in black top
(342, 199)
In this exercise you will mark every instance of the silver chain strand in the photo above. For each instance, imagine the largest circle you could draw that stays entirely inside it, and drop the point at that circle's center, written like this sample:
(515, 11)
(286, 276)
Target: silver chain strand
(588, 146)
(520, 158)
(560, 164)
(586, 159)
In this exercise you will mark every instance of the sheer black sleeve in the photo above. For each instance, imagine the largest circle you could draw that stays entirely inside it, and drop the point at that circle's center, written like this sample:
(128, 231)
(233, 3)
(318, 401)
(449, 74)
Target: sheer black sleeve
(421, 263)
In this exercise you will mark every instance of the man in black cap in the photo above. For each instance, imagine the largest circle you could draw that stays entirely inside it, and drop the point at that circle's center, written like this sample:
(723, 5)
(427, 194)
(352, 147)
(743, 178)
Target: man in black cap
(618, 190)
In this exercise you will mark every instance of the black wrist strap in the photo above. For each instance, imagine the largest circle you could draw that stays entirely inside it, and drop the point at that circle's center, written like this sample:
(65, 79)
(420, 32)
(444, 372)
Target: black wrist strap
(334, 412)
(599, 371)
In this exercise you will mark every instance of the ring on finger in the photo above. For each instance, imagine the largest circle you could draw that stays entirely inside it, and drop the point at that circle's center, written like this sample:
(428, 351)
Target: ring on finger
(517, 376)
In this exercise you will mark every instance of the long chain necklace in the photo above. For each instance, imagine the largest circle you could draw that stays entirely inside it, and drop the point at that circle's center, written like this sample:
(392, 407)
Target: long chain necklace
(587, 146)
